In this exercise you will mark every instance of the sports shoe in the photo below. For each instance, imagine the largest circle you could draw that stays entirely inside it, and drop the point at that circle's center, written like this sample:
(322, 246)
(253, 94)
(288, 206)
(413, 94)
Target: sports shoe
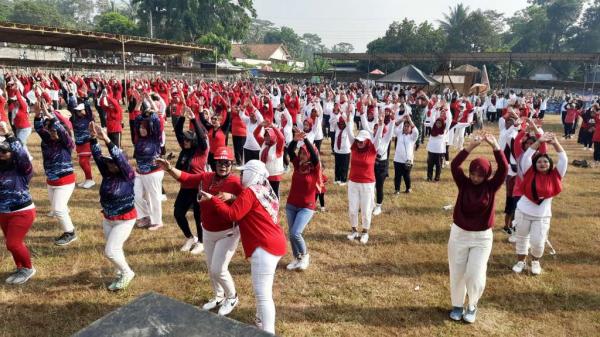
(536, 268)
(198, 248)
(342, 183)
(377, 210)
(507, 230)
(470, 314)
(88, 184)
(456, 314)
(154, 227)
(364, 238)
(81, 183)
(323, 210)
(304, 262)
(50, 214)
(11, 277)
(187, 246)
(519, 267)
(293, 265)
(163, 198)
(337, 182)
(512, 238)
(213, 303)
(65, 238)
(397, 192)
(122, 282)
(142, 222)
(408, 191)
(23, 275)
(228, 305)
(353, 235)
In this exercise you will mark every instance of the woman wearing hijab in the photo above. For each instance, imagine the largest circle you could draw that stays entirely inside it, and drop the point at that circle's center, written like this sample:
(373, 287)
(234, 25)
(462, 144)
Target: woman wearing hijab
(57, 146)
(272, 144)
(436, 148)
(341, 125)
(405, 153)
(471, 235)
(256, 211)
(542, 181)
(361, 188)
(148, 181)
(301, 200)
(117, 200)
(216, 131)
(17, 211)
(192, 159)
(220, 235)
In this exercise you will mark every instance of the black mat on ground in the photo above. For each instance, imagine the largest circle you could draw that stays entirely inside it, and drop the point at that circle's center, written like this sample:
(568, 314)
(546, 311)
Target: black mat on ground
(155, 315)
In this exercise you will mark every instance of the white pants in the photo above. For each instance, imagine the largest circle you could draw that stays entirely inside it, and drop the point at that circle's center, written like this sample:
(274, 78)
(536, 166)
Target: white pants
(116, 232)
(458, 136)
(263, 265)
(148, 192)
(59, 199)
(468, 254)
(219, 248)
(532, 232)
(361, 196)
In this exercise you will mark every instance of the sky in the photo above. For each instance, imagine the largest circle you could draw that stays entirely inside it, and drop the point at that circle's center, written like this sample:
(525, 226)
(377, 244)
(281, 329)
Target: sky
(360, 21)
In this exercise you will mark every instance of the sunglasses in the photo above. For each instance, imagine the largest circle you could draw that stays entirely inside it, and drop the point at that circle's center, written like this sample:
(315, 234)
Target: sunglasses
(224, 163)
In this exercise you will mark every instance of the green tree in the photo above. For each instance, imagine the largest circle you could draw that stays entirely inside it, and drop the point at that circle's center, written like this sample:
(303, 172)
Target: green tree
(222, 45)
(342, 47)
(258, 30)
(586, 37)
(115, 23)
(188, 20)
(5, 9)
(471, 31)
(39, 12)
(287, 36)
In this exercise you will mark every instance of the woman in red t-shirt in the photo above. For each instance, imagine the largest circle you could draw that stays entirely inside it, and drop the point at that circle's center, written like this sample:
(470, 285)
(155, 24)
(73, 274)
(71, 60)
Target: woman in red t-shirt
(301, 200)
(256, 211)
(220, 236)
(361, 185)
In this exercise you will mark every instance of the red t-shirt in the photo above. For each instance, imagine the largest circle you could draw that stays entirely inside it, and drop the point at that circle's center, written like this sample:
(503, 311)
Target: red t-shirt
(66, 180)
(212, 220)
(257, 229)
(304, 186)
(238, 128)
(216, 139)
(596, 136)
(362, 164)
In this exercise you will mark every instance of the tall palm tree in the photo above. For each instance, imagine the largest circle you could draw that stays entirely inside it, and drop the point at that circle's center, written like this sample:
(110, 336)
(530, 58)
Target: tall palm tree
(454, 25)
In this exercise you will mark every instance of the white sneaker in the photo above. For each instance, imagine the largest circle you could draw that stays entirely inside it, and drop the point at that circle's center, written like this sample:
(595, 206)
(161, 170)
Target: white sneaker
(163, 198)
(88, 184)
(187, 246)
(304, 262)
(342, 183)
(293, 265)
(213, 303)
(536, 268)
(353, 235)
(50, 214)
(519, 267)
(337, 182)
(81, 183)
(198, 249)
(377, 210)
(364, 238)
(11, 277)
(323, 210)
(228, 305)
(512, 238)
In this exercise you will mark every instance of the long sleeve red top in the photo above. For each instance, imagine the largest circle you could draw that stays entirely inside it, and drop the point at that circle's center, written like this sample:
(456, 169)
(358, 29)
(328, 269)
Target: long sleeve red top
(257, 229)
(474, 209)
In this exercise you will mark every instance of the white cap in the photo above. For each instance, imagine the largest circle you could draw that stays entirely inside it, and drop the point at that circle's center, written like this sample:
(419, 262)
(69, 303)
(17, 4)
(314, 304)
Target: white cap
(363, 135)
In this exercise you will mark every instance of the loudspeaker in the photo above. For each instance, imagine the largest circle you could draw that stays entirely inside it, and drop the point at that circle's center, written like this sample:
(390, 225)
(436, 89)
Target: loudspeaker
(155, 315)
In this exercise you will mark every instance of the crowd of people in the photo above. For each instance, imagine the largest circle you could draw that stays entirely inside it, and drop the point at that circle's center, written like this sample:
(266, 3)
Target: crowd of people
(277, 128)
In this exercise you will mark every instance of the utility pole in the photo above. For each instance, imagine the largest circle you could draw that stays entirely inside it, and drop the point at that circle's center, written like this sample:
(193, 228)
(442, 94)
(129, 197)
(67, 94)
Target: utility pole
(151, 36)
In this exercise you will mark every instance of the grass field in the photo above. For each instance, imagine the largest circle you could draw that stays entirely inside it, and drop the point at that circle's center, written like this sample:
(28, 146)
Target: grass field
(397, 285)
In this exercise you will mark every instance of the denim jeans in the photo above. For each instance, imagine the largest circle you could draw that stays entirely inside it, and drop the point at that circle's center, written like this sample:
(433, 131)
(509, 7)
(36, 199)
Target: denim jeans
(297, 219)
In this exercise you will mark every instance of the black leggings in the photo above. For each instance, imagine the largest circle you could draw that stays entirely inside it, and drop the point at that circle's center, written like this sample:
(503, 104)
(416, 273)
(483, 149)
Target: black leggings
(402, 171)
(596, 151)
(275, 186)
(250, 155)
(381, 172)
(434, 159)
(342, 161)
(211, 162)
(318, 144)
(321, 198)
(115, 138)
(186, 199)
(238, 149)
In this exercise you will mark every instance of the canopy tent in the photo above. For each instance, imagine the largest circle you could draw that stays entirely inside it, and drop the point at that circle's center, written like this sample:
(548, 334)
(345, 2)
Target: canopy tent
(408, 75)
(377, 72)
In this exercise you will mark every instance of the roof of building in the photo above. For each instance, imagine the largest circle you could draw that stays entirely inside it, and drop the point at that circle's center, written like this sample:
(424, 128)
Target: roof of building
(466, 68)
(262, 51)
(80, 39)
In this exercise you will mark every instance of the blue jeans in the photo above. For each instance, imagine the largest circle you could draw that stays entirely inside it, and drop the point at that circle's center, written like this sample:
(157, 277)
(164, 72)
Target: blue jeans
(297, 219)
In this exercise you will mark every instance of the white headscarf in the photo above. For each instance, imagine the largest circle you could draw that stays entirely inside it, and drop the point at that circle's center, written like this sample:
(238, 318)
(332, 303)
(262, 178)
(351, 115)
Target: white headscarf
(255, 178)
(255, 173)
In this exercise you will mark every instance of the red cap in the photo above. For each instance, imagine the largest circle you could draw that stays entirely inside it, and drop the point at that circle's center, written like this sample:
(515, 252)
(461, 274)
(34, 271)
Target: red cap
(224, 153)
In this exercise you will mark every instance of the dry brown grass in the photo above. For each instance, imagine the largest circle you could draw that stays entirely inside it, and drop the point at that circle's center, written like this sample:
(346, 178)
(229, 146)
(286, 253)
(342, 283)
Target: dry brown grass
(349, 290)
